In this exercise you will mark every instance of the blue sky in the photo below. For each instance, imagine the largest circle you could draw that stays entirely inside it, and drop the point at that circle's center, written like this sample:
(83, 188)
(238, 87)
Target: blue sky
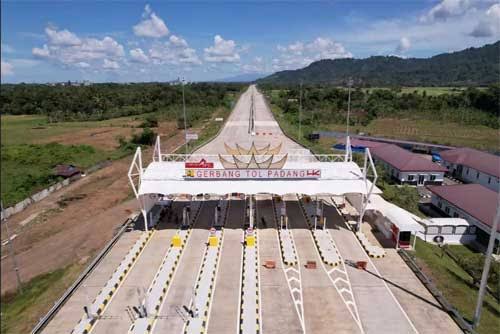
(160, 41)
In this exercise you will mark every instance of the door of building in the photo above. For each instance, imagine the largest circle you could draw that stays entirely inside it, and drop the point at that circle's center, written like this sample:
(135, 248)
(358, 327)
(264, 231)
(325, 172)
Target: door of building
(421, 179)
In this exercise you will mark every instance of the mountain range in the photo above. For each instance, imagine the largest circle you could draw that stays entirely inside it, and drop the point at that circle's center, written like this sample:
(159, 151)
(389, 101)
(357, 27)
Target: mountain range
(470, 67)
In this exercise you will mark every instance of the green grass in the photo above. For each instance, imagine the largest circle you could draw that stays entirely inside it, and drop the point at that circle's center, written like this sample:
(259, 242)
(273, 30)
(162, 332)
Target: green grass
(21, 311)
(456, 285)
(31, 129)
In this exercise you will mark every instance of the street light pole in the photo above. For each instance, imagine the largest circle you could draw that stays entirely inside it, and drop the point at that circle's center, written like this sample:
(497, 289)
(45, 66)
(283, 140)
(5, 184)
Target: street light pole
(300, 111)
(12, 252)
(349, 83)
(486, 269)
(184, 112)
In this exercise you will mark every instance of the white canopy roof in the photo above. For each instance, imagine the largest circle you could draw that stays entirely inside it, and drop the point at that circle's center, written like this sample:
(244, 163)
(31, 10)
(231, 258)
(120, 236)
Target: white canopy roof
(403, 219)
(446, 222)
(337, 178)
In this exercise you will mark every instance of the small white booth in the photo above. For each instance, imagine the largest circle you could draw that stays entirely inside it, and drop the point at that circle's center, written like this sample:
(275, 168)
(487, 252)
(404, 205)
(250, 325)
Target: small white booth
(447, 231)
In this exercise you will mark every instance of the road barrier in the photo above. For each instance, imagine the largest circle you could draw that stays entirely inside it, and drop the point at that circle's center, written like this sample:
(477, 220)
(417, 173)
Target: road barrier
(69, 292)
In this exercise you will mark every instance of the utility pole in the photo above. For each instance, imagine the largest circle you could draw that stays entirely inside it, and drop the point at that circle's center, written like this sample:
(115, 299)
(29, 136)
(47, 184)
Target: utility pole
(184, 112)
(11, 248)
(349, 84)
(486, 269)
(300, 111)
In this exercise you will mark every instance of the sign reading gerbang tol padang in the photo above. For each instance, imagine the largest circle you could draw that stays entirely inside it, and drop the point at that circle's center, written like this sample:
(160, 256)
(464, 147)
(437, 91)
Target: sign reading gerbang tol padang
(252, 163)
(241, 174)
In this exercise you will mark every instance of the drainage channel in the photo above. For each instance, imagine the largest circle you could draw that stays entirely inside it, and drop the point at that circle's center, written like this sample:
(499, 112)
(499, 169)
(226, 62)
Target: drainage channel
(205, 284)
(250, 316)
(159, 287)
(290, 264)
(332, 261)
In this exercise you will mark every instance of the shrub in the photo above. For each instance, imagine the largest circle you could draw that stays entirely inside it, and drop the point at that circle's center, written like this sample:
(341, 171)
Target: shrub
(147, 137)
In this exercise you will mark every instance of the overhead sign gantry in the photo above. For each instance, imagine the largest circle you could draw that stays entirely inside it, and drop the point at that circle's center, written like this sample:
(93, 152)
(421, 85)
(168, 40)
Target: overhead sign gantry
(249, 171)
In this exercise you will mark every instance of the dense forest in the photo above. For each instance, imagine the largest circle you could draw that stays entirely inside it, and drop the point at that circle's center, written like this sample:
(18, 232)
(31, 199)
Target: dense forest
(326, 104)
(469, 67)
(109, 100)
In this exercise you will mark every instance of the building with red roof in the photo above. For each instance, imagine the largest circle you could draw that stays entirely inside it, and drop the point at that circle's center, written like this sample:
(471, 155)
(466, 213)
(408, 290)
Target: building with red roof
(408, 167)
(473, 166)
(473, 202)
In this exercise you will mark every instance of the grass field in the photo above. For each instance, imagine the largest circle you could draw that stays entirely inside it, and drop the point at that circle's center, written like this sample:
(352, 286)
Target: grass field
(456, 286)
(21, 311)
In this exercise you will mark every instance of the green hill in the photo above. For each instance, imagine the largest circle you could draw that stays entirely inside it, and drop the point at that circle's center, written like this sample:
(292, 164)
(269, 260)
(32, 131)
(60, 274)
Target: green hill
(469, 67)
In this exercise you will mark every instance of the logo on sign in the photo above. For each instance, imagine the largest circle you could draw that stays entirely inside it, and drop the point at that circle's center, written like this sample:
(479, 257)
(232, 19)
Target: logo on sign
(201, 164)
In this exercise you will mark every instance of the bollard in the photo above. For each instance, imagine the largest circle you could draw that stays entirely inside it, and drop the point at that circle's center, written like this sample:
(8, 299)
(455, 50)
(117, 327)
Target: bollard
(176, 241)
(213, 241)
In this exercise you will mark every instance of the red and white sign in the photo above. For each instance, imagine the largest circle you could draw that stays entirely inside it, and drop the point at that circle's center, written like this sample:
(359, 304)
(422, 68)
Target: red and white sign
(241, 174)
(201, 164)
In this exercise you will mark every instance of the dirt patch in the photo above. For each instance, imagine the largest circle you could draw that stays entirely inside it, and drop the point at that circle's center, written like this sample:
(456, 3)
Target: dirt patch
(105, 138)
(94, 207)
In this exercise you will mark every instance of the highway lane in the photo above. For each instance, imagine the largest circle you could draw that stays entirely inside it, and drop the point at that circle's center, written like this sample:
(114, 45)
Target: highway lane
(278, 310)
(324, 310)
(181, 290)
(225, 302)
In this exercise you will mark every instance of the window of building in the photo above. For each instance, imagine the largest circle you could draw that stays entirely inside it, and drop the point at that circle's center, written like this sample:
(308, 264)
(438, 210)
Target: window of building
(472, 230)
(447, 210)
(460, 229)
(455, 215)
(489, 180)
(433, 177)
(477, 175)
(447, 230)
(440, 205)
(411, 177)
(433, 229)
(467, 171)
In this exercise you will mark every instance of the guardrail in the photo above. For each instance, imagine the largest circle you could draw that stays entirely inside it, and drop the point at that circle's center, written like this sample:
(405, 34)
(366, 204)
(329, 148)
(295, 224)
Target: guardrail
(448, 308)
(69, 292)
(260, 158)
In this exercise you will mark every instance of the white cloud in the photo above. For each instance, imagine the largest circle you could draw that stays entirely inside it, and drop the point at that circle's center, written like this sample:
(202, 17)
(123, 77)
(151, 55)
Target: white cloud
(110, 64)
(404, 45)
(223, 51)
(83, 64)
(151, 25)
(446, 9)
(489, 24)
(300, 54)
(139, 56)
(61, 37)
(6, 69)
(175, 51)
(256, 66)
(63, 49)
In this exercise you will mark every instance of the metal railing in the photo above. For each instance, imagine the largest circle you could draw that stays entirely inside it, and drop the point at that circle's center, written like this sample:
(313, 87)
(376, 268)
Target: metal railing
(259, 158)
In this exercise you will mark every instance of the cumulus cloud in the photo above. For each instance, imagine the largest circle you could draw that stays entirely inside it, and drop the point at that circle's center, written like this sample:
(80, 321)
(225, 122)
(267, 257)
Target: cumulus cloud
(404, 45)
(223, 51)
(7, 48)
(110, 64)
(7, 68)
(151, 25)
(300, 54)
(175, 51)
(66, 48)
(446, 9)
(489, 24)
(257, 65)
(61, 37)
(137, 55)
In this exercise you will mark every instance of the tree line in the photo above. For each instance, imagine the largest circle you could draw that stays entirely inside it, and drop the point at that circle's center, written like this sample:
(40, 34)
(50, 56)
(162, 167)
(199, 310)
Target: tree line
(326, 104)
(110, 100)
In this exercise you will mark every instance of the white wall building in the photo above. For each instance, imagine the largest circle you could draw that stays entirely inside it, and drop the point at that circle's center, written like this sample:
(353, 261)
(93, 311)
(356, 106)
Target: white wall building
(473, 166)
(407, 167)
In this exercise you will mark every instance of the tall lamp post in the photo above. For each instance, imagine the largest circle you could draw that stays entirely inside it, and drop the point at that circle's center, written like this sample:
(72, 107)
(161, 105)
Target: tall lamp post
(184, 113)
(349, 84)
(486, 268)
(300, 111)
(11, 248)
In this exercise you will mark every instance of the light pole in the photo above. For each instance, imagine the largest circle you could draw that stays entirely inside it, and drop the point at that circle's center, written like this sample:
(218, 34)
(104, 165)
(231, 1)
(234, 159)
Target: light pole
(184, 112)
(349, 84)
(300, 111)
(12, 252)
(486, 269)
